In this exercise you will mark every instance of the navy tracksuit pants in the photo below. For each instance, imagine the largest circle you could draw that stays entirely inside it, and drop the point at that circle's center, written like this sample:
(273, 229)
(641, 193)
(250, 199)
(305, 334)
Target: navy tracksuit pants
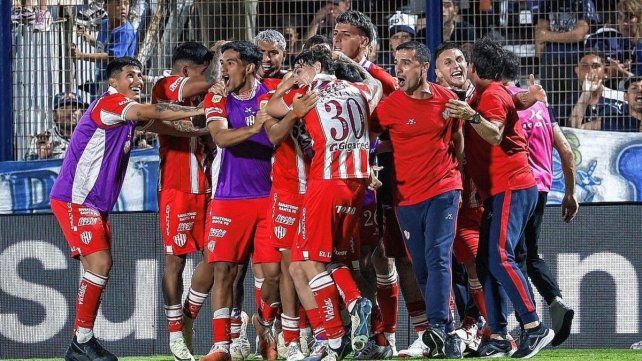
(503, 223)
(429, 232)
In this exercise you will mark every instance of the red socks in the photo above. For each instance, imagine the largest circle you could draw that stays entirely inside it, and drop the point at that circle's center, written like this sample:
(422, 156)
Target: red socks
(221, 327)
(174, 314)
(346, 285)
(327, 297)
(477, 293)
(88, 300)
(388, 300)
(193, 303)
(290, 327)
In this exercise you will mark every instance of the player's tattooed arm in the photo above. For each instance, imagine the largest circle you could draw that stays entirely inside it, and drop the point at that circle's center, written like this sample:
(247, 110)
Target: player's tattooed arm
(490, 130)
(162, 111)
(225, 137)
(569, 202)
(183, 128)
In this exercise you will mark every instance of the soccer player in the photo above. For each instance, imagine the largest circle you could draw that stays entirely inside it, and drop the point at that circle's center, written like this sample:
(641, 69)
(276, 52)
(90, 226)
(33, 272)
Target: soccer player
(240, 181)
(329, 221)
(183, 194)
(88, 185)
(353, 33)
(497, 161)
(542, 135)
(428, 141)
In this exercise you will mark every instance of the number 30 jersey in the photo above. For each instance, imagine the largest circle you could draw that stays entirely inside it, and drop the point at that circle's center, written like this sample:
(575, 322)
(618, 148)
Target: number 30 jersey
(338, 128)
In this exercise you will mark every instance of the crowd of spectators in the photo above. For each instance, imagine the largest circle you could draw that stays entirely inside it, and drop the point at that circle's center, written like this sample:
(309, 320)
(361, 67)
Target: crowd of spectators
(587, 54)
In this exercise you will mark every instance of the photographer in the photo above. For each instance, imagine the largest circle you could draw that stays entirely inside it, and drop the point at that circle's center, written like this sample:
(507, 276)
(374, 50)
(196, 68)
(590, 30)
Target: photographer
(67, 109)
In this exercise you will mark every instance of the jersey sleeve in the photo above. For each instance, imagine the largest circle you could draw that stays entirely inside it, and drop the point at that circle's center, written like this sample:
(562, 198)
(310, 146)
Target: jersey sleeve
(388, 82)
(375, 119)
(493, 106)
(169, 89)
(111, 110)
(271, 83)
(288, 98)
(215, 107)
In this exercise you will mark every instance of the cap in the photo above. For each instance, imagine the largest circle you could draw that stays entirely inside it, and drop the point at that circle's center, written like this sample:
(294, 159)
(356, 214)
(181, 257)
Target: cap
(402, 22)
(68, 98)
(633, 79)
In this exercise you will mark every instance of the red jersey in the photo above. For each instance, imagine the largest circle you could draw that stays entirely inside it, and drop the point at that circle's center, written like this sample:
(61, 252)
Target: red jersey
(496, 169)
(182, 160)
(388, 82)
(289, 165)
(338, 128)
(421, 134)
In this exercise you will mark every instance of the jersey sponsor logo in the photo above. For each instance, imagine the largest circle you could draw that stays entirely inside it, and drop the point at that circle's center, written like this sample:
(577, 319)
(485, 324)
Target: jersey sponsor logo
(302, 225)
(86, 237)
(328, 309)
(88, 212)
(287, 220)
(221, 220)
(81, 293)
(217, 232)
(325, 254)
(411, 121)
(186, 226)
(346, 209)
(175, 84)
(350, 146)
(123, 102)
(87, 221)
(180, 239)
(339, 253)
(216, 98)
(182, 217)
(284, 207)
(279, 232)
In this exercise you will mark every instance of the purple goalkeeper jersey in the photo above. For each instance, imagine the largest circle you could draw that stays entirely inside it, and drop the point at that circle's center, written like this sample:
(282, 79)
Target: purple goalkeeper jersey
(538, 129)
(241, 171)
(94, 167)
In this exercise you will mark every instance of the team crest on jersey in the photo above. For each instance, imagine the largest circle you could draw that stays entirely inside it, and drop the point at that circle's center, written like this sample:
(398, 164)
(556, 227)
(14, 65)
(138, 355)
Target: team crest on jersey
(250, 120)
(211, 245)
(86, 237)
(180, 239)
(279, 232)
(216, 98)
(406, 234)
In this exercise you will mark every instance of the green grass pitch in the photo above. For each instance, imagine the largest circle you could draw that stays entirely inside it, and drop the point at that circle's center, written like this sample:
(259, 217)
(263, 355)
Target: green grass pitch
(546, 355)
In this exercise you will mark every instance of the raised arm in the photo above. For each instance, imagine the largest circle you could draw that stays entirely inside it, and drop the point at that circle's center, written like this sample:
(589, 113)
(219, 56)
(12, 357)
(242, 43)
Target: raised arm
(225, 137)
(374, 85)
(277, 130)
(183, 128)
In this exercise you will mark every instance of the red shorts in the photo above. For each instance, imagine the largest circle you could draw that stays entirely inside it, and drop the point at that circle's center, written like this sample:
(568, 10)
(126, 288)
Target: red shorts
(369, 235)
(182, 221)
(231, 227)
(330, 221)
(86, 229)
(467, 237)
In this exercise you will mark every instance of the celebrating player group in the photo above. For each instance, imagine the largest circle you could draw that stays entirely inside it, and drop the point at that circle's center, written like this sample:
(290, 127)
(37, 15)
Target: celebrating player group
(339, 186)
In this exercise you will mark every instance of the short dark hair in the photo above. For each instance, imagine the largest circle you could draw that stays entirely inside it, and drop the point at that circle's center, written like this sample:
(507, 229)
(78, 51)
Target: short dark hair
(448, 45)
(193, 52)
(591, 51)
(359, 20)
(347, 71)
(116, 66)
(315, 54)
(631, 80)
(422, 52)
(488, 57)
(511, 66)
(317, 40)
(248, 53)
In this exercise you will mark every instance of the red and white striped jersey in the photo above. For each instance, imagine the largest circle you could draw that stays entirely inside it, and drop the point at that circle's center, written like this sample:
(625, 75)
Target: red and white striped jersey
(291, 160)
(182, 160)
(338, 128)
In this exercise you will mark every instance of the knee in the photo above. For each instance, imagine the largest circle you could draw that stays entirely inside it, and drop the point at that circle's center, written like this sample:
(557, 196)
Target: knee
(174, 265)
(101, 265)
(271, 276)
(296, 271)
(224, 272)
